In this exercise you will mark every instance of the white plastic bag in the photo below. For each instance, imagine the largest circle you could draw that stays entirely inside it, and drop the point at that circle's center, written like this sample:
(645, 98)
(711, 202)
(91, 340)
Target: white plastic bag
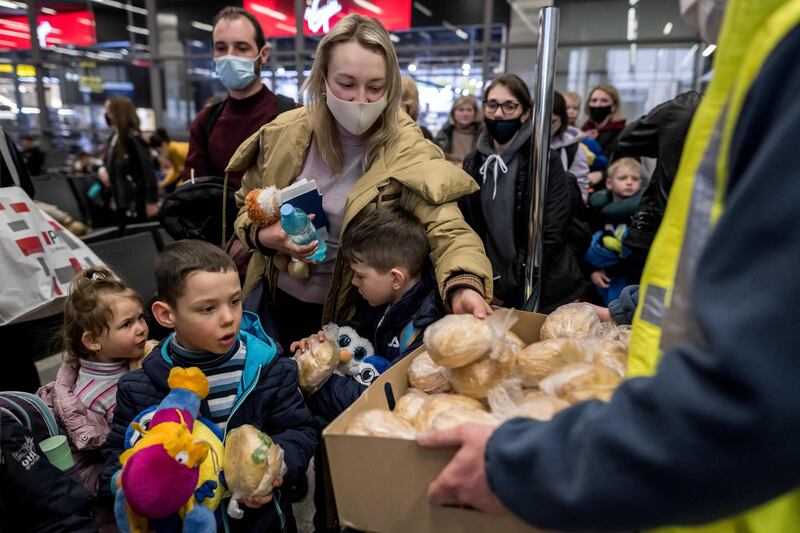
(39, 257)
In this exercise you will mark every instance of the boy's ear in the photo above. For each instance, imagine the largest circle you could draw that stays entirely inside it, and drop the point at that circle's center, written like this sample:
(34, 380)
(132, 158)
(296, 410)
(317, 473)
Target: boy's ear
(163, 314)
(89, 342)
(608, 182)
(398, 278)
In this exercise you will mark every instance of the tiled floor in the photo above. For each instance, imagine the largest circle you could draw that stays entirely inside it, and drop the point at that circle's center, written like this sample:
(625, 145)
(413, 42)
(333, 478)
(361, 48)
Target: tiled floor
(303, 511)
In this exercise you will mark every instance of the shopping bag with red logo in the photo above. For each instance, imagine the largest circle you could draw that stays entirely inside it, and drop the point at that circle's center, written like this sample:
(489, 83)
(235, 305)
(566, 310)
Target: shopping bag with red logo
(39, 257)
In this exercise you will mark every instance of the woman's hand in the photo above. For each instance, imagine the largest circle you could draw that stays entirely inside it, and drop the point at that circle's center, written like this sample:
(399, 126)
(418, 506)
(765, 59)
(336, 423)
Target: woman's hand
(275, 238)
(466, 301)
(595, 177)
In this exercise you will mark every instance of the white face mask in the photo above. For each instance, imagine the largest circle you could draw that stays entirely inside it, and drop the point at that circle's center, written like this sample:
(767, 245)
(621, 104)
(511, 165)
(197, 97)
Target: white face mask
(705, 16)
(355, 117)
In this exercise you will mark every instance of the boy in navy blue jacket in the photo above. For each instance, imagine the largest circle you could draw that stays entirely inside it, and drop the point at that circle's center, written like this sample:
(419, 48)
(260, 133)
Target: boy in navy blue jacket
(200, 298)
(388, 252)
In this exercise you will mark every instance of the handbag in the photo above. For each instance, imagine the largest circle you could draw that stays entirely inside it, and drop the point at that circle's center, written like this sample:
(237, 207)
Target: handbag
(39, 256)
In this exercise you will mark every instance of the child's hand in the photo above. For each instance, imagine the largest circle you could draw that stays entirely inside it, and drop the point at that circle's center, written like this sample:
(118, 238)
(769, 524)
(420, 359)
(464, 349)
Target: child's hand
(600, 279)
(304, 345)
(257, 501)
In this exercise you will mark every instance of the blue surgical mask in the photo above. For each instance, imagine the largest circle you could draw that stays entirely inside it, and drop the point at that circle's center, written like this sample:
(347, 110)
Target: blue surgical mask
(235, 72)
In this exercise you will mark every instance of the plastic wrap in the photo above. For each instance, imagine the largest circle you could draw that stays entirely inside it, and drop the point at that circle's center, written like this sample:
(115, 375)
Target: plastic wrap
(610, 353)
(380, 423)
(570, 320)
(508, 400)
(316, 365)
(409, 405)
(438, 403)
(477, 379)
(427, 376)
(458, 340)
(515, 340)
(252, 462)
(613, 332)
(577, 382)
(542, 358)
(458, 416)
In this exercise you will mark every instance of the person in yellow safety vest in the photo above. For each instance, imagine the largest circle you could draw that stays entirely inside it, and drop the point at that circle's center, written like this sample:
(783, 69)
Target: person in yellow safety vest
(705, 432)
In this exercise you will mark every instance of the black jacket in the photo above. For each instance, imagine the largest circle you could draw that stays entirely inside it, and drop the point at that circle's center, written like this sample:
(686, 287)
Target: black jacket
(562, 279)
(421, 304)
(444, 138)
(133, 179)
(715, 430)
(34, 494)
(275, 406)
(660, 134)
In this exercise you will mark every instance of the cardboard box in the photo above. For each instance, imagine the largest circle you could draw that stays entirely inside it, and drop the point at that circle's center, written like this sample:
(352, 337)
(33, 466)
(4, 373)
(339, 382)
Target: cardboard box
(381, 484)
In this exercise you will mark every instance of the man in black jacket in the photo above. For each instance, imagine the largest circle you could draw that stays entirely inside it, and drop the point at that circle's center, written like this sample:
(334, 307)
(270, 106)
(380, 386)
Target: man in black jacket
(660, 134)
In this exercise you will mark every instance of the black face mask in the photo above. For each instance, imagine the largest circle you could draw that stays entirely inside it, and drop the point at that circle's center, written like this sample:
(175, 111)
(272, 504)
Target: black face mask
(503, 131)
(108, 119)
(599, 114)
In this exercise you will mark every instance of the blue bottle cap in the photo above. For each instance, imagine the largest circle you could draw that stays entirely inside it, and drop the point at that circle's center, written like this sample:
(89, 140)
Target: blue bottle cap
(287, 210)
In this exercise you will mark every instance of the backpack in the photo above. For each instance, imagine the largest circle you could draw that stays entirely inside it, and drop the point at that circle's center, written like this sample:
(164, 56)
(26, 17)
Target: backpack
(31, 412)
(192, 211)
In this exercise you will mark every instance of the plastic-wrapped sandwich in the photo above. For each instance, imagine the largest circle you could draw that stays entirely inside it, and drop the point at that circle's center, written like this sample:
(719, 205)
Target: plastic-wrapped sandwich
(252, 462)
(380, 423)
(317, 364)
(571, 320)
(542, 358)
(427, 376)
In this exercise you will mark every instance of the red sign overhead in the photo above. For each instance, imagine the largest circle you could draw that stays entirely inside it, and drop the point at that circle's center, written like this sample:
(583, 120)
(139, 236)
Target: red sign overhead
(278, 20)
(74, 27)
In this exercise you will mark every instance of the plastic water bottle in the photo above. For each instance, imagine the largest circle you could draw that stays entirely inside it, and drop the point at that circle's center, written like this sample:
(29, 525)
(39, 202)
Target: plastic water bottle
(300, 229)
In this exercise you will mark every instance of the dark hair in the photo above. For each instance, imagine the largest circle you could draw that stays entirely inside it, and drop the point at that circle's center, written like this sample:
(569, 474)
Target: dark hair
(518, 88)
(560, 109)
(387, 238)
(85, 310)
(159, 137)
(233, 13)
(180, 259)
(124, 120)
(26, 138)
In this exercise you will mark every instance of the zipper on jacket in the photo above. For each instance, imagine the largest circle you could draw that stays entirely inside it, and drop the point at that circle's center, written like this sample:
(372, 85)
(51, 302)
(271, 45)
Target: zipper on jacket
(240, 401)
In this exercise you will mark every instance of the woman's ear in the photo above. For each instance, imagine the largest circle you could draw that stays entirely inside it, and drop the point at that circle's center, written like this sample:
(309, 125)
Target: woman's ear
(526, 115)
(89, 342)
(163, 314)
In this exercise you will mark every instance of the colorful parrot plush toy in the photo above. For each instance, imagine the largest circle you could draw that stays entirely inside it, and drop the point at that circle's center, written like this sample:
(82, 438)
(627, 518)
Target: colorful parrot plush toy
(161, 473)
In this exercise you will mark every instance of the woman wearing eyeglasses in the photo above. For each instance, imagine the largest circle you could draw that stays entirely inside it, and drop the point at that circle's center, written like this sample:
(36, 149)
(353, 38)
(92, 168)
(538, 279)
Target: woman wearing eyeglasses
(499, 213)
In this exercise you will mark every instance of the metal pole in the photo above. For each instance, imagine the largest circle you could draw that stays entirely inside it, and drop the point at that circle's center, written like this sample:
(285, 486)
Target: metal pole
(299, 45)
(156, 87)
(36, 55)
(487, 38)
(540, 151)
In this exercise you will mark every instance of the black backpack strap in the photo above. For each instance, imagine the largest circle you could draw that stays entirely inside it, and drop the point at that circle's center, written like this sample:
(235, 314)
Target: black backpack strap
(284, 103)
(213, 116)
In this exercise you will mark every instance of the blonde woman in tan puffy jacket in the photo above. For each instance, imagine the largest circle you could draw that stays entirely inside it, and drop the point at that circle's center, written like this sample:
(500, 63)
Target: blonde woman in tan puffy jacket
(363, 154)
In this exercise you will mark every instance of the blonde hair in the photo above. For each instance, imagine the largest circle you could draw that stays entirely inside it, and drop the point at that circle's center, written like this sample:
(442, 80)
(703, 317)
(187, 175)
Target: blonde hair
(409, 97)
(572, 97)
(625, 162)
(465, 100)
(86, 310)
(370, 34)
(611, 91)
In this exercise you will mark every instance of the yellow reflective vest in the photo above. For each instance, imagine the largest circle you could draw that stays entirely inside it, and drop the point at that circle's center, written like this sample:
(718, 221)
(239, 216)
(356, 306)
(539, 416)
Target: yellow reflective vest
(752, 29)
